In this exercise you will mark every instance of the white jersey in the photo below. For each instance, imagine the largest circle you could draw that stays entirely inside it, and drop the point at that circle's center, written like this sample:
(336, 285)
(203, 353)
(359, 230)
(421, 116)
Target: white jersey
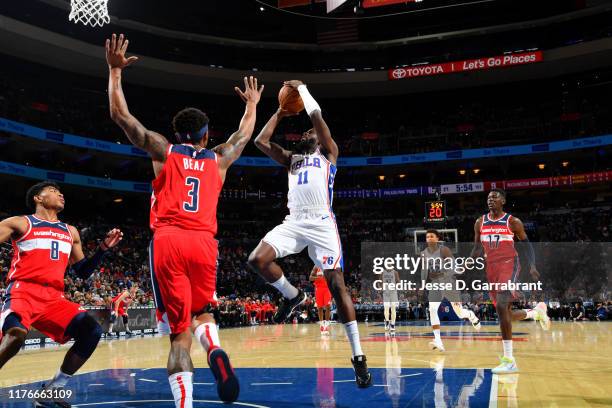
(389, 295)
(311, 183)
(434, 263)
(311, 222)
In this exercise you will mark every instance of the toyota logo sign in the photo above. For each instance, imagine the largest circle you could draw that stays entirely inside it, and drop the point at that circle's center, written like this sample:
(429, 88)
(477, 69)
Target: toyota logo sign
(399, 73)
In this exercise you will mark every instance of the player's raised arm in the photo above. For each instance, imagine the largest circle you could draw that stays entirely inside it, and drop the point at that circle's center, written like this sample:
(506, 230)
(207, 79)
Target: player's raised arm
(517, 227)
(231, 150)
(151, 142)
(12, 227)
(316, 117)
(82, 266)
(271, 149)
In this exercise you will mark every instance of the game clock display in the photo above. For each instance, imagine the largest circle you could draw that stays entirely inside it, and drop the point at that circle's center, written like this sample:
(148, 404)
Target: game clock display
(435, 211)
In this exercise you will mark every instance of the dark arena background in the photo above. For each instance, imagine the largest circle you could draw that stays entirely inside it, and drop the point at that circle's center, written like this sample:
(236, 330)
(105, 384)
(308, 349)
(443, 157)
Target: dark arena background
(432, 104)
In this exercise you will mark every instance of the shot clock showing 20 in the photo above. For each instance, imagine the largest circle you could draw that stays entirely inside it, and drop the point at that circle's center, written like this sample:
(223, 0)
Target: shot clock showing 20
(435, 211)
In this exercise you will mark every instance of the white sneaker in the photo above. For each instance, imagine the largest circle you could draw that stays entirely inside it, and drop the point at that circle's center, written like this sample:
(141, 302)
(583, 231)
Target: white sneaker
(541, 315)
(476, 323)
(507, 366)
(392, 328)
(437, 346)
(386, 325)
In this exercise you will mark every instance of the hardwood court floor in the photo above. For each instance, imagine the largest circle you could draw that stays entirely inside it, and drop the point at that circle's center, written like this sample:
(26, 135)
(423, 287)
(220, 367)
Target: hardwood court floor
(568, 366)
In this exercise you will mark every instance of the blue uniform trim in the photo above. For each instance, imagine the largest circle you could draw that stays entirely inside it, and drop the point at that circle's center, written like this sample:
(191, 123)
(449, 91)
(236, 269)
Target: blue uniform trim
(330, 184)
(191, 152)
(159, 304)
(502, 221)
(38, 223)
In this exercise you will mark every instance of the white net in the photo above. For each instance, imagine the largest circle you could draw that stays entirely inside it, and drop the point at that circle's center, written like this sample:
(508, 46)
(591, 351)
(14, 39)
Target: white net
(89, 12)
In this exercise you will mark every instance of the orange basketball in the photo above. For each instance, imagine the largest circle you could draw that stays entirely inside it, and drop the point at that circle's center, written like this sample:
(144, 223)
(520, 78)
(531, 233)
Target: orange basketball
(290, 100)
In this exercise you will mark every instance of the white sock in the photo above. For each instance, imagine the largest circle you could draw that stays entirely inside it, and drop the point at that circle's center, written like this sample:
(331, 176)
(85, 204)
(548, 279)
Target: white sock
(127, 328)
(287, 289)
(437, 337)
(507, 348)
(110, 328)
(182, 389)
(352, 332)
(530, 313)
(386, 312)
(393, 315)
(208, 336)
(59, 381)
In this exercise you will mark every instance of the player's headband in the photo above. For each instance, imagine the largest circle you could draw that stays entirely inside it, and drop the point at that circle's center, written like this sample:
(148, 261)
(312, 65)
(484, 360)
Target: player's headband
(188, 137)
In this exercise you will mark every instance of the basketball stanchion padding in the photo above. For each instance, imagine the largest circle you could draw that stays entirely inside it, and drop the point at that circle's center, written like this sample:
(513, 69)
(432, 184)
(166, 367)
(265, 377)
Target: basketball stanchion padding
(89, 12)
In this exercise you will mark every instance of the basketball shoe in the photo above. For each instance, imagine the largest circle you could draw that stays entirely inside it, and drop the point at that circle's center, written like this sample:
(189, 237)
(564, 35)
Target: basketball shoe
(541, 315)
(51, 402)
(228, 387)
(287, 306)
(362, 374)
(437, 346)
(507, 366)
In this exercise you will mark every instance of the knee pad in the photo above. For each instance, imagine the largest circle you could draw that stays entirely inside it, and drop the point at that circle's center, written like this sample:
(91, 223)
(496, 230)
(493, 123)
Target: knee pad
(125, 319)
(12, 321)
(433, 313)
(86, 332)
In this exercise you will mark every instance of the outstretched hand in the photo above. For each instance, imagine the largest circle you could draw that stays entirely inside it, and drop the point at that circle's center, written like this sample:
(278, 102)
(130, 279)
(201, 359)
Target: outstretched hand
(113, 237)
(251, 93)
(115, 52)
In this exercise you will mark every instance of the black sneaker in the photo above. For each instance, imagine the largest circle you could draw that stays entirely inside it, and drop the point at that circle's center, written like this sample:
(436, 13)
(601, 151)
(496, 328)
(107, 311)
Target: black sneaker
(51, 402)
(228, 387)
(362, 374)
(286, 307)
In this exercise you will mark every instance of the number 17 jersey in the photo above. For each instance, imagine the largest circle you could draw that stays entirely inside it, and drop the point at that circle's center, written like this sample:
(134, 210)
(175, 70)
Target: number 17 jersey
(186, 191)
(497, 238)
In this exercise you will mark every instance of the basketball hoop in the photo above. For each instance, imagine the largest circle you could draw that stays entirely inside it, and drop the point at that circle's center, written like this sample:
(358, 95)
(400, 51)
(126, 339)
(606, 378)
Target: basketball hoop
(89, 12)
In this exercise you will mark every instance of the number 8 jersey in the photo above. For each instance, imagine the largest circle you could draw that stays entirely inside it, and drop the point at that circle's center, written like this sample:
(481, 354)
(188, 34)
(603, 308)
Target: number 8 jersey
(497, 238)
(186, 191)
(41, 255)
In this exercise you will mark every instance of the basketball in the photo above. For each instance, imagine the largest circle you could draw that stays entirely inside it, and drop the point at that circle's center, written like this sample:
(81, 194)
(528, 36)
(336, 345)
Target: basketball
(289, 99)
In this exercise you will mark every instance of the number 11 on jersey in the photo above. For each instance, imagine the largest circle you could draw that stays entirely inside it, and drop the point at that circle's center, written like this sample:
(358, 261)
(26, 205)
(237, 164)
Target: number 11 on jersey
(303, 177)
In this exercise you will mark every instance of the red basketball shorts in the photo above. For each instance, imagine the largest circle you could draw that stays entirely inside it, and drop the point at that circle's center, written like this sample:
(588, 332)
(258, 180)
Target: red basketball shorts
(323, 297)
(184, 274)
(41, 307)
(503, 271)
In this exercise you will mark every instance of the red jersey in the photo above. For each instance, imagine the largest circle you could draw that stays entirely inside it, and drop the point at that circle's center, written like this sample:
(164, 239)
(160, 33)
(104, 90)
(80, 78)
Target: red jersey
(186, 191)
(122, 304)
(497, 238)
(320, 283)
(41, 255)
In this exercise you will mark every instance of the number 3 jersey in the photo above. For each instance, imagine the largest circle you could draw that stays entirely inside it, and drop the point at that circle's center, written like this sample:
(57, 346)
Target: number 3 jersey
(41, 255)
(186, 191)
(497, 238)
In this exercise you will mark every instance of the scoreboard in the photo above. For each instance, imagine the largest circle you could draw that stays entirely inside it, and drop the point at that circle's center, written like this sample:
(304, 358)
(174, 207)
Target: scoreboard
(435, 211)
